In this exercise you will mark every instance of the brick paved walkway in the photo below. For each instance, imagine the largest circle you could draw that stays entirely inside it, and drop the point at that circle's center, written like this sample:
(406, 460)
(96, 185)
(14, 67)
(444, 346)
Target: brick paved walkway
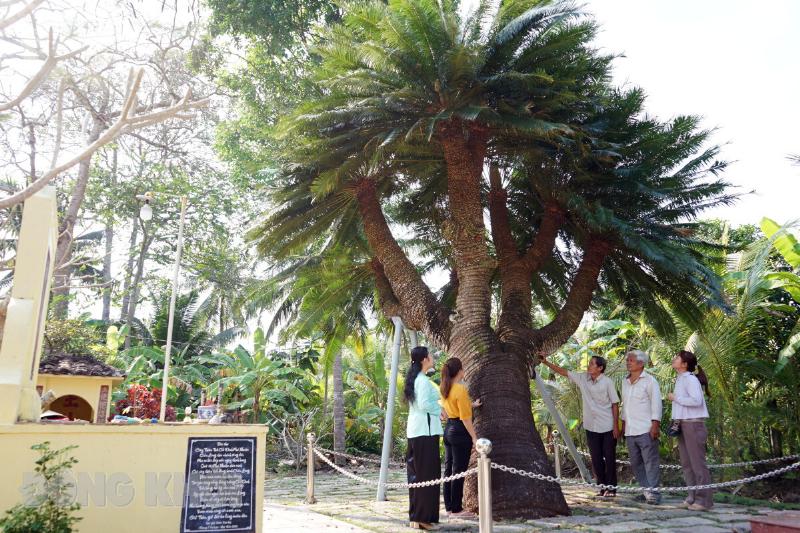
(346, 506)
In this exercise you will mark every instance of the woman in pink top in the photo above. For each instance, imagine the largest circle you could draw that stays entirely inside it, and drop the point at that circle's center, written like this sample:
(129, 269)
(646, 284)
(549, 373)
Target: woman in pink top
(689, 408)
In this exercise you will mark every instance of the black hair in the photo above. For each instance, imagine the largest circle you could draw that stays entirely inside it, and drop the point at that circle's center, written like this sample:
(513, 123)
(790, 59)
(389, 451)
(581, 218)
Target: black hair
(450, 369)
(691, 365)
(417, 355)
(601, 362)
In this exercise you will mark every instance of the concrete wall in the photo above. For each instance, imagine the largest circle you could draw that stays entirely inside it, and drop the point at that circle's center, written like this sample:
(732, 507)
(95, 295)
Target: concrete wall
(129, 478)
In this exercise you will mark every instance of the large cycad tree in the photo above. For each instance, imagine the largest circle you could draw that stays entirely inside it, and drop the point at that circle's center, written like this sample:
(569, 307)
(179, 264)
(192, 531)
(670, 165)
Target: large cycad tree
(429, 120)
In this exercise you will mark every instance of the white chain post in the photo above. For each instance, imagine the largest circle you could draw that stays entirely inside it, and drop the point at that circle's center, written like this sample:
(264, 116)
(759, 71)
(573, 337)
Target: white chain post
(484, 448)
(310, 499)
(557, 453)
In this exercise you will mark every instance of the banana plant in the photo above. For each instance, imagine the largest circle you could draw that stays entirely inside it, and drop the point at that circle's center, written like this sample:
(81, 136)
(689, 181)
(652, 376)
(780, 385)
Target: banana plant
(254, 380)
(787, 245)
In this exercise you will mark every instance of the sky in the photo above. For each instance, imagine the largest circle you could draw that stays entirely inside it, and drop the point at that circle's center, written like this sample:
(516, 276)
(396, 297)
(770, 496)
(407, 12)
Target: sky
(737, 64)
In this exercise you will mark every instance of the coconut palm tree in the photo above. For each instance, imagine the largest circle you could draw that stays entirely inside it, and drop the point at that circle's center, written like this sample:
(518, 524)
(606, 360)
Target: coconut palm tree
(583, 190)
(190, 332)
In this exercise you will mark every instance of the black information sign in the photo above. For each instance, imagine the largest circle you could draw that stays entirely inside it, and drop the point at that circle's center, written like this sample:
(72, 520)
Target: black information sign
(219, 490)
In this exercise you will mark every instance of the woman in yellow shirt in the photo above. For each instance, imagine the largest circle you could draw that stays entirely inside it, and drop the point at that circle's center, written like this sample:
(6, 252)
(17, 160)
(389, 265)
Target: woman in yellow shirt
(459, 433)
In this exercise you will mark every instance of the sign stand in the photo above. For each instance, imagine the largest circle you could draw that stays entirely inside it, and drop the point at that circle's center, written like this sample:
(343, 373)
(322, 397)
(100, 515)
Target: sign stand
(562, 429)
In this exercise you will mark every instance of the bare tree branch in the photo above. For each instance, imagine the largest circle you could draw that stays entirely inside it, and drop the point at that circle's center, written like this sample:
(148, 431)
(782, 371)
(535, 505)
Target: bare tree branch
(7, 3)
(59, 122)
(44, 71)
(22, 13)
(124, 124)
(92, 286)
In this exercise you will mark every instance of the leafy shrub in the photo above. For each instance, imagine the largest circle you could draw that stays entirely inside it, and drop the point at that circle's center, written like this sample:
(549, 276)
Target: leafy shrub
(74, 336)
(49, 508)
(143, 402)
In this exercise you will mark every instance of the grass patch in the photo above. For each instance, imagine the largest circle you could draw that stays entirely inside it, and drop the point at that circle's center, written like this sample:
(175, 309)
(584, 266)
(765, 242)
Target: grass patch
(727, 497)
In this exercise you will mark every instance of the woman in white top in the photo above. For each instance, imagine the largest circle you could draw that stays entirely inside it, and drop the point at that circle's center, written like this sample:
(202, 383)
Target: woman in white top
(689, 408)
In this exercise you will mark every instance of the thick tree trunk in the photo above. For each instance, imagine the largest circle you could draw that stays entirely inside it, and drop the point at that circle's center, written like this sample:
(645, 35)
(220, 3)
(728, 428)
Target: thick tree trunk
(501, 380)
(471, 335)
(496, 363)
(137, 281)
(109, 242)
(66, 237)
(126, 285)
(338, 407)
(496, 373)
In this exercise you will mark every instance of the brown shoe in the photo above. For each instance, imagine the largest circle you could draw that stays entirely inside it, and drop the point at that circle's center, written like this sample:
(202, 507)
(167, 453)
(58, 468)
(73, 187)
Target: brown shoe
(698, 507)
(423, 525)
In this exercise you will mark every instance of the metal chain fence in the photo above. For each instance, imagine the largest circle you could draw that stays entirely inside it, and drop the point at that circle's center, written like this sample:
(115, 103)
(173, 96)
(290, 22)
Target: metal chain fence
(710, 465)
(485, 466)
(627, 488)
(357, 458)
(319, 453)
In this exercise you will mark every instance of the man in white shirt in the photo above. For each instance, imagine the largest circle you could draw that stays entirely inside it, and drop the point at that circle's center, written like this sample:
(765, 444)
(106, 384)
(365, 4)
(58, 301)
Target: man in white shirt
(600, 418)
(641, 421)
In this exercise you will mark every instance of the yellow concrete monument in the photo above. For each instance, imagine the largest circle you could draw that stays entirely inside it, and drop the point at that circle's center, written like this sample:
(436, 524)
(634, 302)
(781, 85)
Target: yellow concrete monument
(183, 478)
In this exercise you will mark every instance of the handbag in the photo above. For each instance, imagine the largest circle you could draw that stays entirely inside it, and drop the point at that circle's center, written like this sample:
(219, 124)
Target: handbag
(674, 428)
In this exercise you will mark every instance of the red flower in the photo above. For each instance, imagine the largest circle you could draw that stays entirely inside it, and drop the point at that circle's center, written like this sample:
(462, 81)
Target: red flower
(143, 403)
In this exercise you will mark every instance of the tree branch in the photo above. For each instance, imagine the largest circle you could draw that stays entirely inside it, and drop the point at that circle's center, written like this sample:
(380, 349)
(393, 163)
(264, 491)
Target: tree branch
(498, 212)
(6, 3)
(22, 13)
(552, 220)
(421, 309)
(547, 339)
(514, 320)
(124, 124)
(59, 122)
(44, 71)
(389, 303)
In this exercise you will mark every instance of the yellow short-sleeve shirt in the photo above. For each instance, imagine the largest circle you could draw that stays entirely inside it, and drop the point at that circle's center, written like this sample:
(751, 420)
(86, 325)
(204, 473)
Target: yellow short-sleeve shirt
(458, 404)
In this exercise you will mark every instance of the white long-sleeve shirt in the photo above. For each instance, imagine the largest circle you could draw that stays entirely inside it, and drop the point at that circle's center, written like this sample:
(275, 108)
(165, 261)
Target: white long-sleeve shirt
(641, 404)
(688, 401)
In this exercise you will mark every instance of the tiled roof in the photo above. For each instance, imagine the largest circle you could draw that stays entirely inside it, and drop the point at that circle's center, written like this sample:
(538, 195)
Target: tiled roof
(77, 365)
